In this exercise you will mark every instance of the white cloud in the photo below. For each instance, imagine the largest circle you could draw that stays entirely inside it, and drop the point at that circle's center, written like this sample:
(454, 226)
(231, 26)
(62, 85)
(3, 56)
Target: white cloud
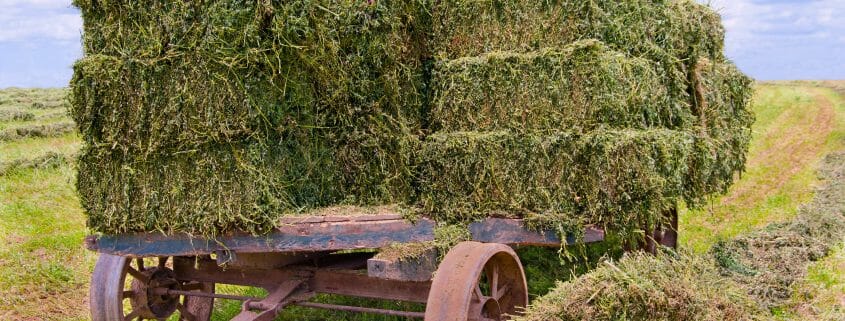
(36, 3)
(25, 20)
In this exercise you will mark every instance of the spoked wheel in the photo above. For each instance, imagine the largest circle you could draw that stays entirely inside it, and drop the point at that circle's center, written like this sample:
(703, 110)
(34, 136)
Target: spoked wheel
(477, 281)
(124, 289)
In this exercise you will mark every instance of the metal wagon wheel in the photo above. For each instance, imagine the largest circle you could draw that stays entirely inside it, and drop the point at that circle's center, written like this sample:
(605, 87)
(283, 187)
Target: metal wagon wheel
(143, 295)
(477, 281)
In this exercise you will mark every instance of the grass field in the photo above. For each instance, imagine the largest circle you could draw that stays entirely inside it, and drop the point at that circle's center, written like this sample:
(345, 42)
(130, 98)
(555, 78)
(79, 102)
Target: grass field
(44, 270)
(797, 124)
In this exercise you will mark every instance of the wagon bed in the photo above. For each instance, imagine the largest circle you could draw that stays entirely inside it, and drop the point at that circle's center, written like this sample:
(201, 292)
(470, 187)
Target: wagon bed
(327, 233)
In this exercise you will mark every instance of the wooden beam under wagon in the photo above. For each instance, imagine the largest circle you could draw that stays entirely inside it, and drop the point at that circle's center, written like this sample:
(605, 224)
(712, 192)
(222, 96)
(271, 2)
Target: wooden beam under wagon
(306, 235)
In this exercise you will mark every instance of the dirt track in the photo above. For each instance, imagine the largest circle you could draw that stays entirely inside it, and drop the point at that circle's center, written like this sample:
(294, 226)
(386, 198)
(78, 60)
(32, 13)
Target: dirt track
(796, 145)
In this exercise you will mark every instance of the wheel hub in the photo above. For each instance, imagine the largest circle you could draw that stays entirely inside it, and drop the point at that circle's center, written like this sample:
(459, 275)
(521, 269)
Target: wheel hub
(147, 298)
(487, 309)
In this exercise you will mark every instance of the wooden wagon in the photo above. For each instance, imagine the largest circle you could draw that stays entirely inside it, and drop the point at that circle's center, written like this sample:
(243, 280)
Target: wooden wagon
(481, 279)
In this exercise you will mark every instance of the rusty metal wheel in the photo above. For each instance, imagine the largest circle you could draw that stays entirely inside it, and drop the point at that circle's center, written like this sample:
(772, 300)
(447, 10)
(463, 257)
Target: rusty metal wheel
(142, 295)
(665, 235)
(477, 281)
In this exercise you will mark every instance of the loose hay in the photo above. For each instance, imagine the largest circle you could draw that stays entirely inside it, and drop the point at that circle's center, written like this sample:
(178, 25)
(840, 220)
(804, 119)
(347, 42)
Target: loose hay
(645, 287)
(768, 262)
(45, 161)
(45, 130)
(16, 115)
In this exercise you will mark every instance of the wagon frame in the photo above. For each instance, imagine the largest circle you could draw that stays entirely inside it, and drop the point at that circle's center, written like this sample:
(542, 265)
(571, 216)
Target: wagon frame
(481, 279)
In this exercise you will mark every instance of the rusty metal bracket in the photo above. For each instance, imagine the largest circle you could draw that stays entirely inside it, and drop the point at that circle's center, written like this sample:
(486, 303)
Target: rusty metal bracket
(268, 308)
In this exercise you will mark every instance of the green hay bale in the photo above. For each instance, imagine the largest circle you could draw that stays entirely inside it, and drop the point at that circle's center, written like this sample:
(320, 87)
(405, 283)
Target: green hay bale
(655, 29)
(239, 68)
(244, 186)
(618, 179)
(149, 29)
(582, 86)
(645, 287)
(181, 103)
(674, 33)
(722, 101)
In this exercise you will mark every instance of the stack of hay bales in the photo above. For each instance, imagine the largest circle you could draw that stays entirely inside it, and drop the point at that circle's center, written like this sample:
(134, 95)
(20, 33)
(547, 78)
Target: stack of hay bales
(207, 117)
(580, 112)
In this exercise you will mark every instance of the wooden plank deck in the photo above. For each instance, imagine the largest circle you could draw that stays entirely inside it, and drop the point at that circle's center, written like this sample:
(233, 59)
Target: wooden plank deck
(325, 233)
(309, 234)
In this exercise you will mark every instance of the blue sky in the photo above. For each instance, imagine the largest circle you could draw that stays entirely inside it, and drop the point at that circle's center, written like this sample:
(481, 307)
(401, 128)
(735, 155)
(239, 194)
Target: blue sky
(768, 39)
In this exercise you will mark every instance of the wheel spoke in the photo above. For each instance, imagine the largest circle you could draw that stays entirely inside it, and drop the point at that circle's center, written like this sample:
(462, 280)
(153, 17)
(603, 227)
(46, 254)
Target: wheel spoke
(504, 290)
(184, 314)
(494, 282)
(478, 294)
(162, 261)
(132, 315)
(128, 294)
(140, 263)
(137, 275)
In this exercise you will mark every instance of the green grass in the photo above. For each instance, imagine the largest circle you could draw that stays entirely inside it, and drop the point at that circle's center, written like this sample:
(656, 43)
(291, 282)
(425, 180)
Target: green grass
(41, 261)
(44, 269)
(786, 147)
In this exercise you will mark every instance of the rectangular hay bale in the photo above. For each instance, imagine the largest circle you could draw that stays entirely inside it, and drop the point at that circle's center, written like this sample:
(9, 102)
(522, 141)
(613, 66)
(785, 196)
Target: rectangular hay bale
(619, 179)
(245, 186)
(227, 70)
(658, 29)
(580, 87)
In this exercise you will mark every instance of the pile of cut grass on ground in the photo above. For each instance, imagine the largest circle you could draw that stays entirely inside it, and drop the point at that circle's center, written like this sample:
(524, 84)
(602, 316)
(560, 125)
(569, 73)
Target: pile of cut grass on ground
(821, 295)
(15, 115)
(37, 130)
(256, 110)
(640, 286)
(48, 160)
(769, 262)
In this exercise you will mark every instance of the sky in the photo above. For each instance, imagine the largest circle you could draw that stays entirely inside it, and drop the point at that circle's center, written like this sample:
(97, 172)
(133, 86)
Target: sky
(768, 39)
